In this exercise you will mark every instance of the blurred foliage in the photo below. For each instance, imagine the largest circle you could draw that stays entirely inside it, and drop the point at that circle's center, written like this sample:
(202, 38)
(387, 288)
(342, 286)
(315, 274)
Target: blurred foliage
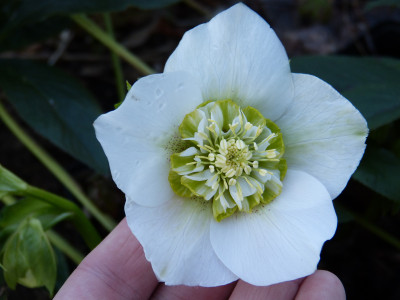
(57, 106)
(61, 109)
(31, 17)
(320, 10)
(371, 84)
(379, 171)
(28, 257)
(382, 3)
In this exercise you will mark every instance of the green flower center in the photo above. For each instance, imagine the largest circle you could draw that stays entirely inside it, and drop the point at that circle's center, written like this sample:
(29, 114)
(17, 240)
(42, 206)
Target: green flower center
(235, 159)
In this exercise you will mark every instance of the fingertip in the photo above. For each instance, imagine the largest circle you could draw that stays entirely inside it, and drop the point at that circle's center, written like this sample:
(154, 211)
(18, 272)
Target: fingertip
(322, 285)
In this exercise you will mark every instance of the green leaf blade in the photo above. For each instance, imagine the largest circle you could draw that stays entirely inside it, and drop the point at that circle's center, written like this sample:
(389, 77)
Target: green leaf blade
(379, 170)
(56, 106)
(29, 258)
(371, 84)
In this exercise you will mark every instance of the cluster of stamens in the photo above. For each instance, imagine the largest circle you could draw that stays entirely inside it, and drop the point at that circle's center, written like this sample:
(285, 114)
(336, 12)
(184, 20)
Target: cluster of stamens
(233, 160)
(230, 158)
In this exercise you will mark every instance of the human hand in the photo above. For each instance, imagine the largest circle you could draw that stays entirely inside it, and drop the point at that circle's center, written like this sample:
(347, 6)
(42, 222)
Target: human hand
(118, 269)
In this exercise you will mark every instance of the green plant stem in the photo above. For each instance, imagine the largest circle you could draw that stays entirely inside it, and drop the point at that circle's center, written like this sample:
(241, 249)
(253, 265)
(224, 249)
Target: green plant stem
(109, 42)
(119, 77)
(55, 168)
(65, 247)
(82, 224)
(198, 7)
(387, 237)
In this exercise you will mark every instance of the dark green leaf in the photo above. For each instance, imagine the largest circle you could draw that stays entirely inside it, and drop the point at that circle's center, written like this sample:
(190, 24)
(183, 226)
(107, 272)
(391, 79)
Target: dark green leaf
(20, 12)
(63, 271)
(26, 34)
(56, 106)
(29, 258)
(343, 215)
(380, 3)
(10, 183)
(371, 84)
(379, 170)
(12, 215)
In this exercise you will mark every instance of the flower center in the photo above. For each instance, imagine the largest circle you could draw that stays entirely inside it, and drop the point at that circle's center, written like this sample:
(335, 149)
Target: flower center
(235, 161)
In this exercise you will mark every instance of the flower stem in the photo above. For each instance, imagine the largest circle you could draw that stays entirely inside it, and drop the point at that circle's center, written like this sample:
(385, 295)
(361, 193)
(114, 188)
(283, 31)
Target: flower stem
(119, 77)
(82, 224)
(55, 168)
(65, 247)
(109, 42)
(387, 237)
(198, 7)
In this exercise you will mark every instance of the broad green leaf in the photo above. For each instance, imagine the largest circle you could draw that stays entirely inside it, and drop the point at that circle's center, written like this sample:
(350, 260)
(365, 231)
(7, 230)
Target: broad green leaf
(22, 12)
(380, 171)
(29, 258)
(56, 106)
(26, 34)
(63, 270)
(379, 3)
(11, 216)
(343, 215)
(10, 183)
(371, 84)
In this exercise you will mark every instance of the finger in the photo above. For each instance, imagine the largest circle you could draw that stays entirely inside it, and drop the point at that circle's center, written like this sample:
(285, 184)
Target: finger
(179, 292)
(282, 291)
(115, 269)
(322, 285)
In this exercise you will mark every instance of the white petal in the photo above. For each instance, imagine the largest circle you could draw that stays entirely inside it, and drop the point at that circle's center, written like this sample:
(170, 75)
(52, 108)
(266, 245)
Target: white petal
(237, 56)
(189, 151)
(280, 241)
(247, 190)
(233, 191)
(176, 240)
(324, 134)
(137, 136)
(200, 176)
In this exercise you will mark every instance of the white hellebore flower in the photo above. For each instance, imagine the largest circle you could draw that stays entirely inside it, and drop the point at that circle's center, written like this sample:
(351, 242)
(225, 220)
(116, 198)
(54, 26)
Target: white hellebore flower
(230, 162)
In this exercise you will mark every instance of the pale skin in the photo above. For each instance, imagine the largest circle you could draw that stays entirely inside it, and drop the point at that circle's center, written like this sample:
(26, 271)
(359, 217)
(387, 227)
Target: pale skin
(118, 269)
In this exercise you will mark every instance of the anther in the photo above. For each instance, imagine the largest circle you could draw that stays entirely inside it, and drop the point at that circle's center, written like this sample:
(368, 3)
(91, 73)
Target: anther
(271, 153)
(262, 172)
(232, 181)
(240, 144)
(230, 173)
(247, 170)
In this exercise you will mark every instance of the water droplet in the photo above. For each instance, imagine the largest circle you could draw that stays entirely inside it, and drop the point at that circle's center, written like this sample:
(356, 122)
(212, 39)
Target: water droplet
(51, 102)
(159, 92)
(180, 86)
(134, 98)
(161, 106)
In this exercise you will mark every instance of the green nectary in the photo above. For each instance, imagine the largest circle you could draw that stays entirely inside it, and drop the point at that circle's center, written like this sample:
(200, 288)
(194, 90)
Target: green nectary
(235, 161)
